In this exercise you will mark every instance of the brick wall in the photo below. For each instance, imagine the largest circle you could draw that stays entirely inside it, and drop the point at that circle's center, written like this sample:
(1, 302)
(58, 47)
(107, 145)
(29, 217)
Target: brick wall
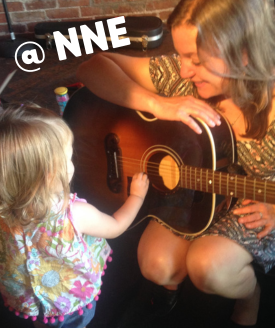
(25, 14)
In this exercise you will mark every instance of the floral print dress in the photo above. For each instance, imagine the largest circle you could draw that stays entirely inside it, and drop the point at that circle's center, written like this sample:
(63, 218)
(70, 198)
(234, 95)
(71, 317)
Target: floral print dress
(51, 265)
(256, 157)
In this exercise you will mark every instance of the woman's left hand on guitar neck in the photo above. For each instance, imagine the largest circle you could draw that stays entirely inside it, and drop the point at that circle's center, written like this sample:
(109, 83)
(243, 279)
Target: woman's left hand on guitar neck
(257, 215)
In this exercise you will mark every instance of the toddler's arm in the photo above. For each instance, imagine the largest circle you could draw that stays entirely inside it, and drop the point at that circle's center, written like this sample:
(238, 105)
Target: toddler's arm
(91, 221)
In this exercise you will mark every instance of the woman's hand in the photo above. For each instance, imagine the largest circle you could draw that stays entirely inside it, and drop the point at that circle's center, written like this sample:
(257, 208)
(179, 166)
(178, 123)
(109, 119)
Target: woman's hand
(257, 215)
(183, 109)
(139, 185)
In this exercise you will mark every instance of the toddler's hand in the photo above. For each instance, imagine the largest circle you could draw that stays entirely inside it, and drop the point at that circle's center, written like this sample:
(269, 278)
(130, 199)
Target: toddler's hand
(139, 185)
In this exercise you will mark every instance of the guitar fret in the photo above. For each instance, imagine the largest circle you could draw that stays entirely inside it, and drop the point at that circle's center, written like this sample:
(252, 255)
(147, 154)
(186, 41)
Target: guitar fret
(195, 178)
(213, 184)
(265, 191)
(185, 176)
(235, 186)
(244, 188)
(190, 177)
(231, 192)
(227, 181)
(206, 181)
(201, 179)
(220, 186)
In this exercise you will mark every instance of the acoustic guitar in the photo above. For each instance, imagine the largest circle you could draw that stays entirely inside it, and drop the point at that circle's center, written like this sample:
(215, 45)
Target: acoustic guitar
(189, 177)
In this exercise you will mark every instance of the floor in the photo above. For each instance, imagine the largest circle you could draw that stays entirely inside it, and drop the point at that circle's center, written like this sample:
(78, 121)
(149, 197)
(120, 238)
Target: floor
(123, 283)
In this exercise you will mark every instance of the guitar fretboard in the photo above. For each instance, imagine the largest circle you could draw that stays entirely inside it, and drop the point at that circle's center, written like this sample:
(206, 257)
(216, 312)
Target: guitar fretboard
(232, 185)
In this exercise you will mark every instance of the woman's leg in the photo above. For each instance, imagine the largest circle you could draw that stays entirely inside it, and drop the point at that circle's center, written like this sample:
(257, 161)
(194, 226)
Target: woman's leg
(217, 265)
(162, 255)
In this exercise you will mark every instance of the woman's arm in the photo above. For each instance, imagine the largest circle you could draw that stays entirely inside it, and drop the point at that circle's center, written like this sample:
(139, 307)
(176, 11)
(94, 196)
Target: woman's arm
(120, 79)
(91, 221)
(126, 81)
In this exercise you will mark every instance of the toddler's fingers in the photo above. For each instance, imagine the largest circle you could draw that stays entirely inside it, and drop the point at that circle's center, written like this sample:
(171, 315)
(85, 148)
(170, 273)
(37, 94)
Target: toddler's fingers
(136, 176)
(140, 175)
(145, 176)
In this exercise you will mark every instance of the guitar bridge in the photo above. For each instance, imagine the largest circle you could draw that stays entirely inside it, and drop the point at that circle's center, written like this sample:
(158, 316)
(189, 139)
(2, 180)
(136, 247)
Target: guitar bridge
(113, 154)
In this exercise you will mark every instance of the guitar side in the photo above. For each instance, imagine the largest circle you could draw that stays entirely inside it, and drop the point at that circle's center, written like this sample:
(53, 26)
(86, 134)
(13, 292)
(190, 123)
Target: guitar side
(112, 143)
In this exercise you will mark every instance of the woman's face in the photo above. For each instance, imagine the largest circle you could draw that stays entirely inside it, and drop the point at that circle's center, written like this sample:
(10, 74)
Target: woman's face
(208, 84)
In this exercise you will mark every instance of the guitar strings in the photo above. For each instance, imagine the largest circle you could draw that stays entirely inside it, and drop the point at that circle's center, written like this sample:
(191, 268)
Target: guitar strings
(250, 184)
(210, 171)
(269, 186)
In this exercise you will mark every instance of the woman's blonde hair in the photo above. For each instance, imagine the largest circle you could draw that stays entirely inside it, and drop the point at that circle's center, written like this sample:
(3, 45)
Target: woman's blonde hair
(32, 163)
(235, 30)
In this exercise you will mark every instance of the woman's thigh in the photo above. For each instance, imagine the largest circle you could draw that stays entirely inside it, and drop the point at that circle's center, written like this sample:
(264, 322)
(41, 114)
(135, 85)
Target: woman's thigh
(220, 251)
(220, 265)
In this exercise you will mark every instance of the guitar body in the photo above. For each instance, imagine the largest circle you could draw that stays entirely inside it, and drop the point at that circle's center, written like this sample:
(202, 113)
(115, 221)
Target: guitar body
(112, 143)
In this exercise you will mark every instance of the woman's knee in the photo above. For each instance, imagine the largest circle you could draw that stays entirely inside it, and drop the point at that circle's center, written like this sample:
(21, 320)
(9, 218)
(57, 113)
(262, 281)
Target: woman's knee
(162, 268)
(202, 271)
(161, 255)
(154, 267)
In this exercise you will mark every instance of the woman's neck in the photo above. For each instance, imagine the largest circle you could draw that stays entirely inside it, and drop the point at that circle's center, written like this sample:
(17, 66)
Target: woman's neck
(235, 117)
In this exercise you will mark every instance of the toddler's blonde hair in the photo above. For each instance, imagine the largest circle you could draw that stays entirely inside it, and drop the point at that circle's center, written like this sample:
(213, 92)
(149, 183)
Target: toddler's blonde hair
(32, 163)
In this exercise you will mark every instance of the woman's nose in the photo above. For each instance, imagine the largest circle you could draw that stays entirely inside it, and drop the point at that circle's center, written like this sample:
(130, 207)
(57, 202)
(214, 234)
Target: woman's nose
(187, 70)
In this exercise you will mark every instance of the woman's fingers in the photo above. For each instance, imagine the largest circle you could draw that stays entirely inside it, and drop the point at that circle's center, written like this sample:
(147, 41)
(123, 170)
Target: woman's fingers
(255, 215)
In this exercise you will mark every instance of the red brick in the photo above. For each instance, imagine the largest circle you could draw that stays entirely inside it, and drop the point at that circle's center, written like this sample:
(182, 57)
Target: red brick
(63, 13)
(70, 10)
(158, 5)
(95, 11)
(3, 18)
(107, 1)
(31, 16)
(13, 6)
(129, 9)
(73, 3)
(38, 4)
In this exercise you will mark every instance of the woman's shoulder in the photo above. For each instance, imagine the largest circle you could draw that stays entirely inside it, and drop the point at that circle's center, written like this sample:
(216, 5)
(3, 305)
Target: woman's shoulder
(165, 74)
(166, 61)
(272, 125)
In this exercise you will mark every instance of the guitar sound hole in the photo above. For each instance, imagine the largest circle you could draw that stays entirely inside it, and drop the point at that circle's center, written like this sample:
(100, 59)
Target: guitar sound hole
(163, 172)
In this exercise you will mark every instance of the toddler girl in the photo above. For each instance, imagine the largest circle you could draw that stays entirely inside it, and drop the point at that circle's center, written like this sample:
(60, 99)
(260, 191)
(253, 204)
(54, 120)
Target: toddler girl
(52, 244)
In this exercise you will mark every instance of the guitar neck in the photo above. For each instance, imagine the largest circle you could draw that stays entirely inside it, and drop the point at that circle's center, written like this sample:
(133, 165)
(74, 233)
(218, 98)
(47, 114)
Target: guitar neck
(226, 184)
